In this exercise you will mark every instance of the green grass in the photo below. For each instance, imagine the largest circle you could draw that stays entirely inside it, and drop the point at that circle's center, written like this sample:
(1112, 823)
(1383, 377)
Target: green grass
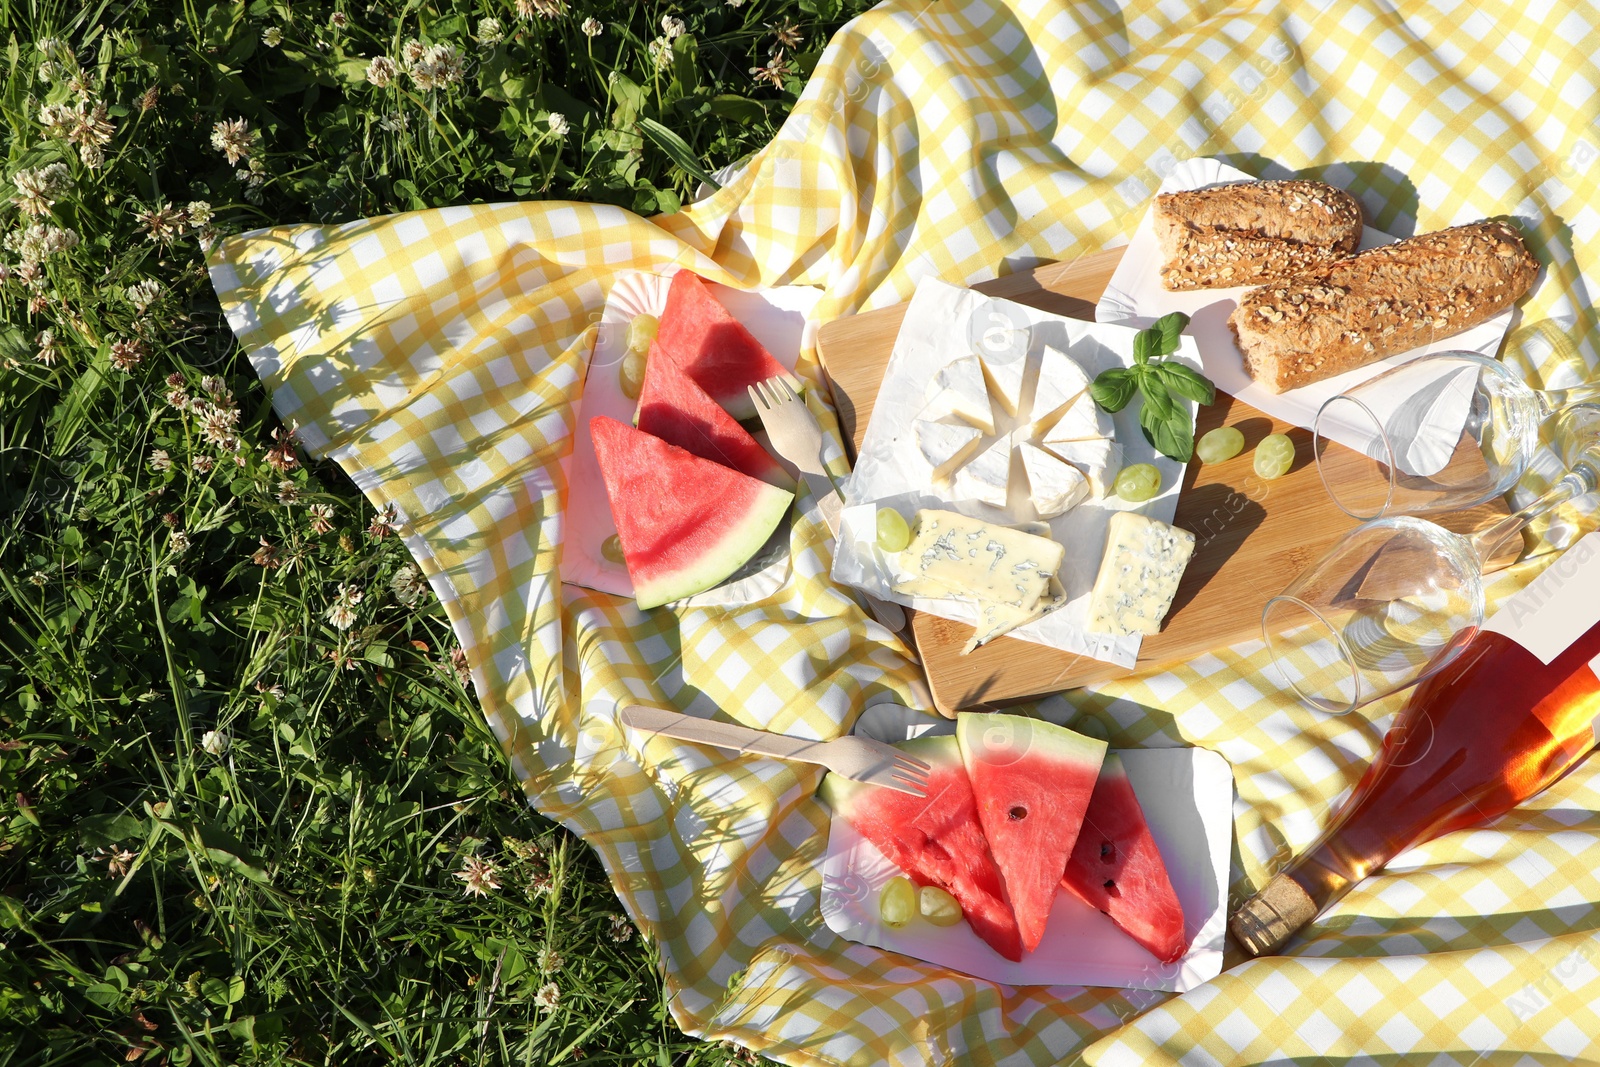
(231, 828)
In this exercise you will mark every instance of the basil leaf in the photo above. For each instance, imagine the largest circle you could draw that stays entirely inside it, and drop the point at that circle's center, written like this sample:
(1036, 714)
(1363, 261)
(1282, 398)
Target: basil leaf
(1112, 389)
(1173, 438)
(1146, 344)
(1167, 328)
(1156, 397)
(1186, 382)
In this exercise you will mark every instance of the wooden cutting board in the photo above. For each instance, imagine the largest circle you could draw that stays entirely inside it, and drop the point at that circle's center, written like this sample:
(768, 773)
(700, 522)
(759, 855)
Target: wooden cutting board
(1253, 536)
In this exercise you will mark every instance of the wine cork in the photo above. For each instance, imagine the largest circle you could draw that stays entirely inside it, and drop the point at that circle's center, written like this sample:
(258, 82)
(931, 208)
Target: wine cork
(1272, 916)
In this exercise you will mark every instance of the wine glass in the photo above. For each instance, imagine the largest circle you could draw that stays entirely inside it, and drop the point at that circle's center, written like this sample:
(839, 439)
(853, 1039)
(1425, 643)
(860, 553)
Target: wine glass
(1438, 433)
(1396, 598)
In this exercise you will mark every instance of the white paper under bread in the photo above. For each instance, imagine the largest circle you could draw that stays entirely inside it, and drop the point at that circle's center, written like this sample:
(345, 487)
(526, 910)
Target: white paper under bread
(779, 318)
(1187, 798)
(1555, 609)
(943, 323)
(1135, 296)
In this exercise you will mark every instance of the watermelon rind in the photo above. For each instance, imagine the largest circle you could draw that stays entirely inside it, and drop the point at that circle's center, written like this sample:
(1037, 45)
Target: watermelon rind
(1032, 781)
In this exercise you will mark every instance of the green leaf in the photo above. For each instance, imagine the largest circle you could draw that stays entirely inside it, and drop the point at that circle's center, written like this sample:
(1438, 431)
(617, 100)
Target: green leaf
(1168, 327)
(738, 108)
(1186, 382)
(1156, 397)
(1112, 389)
(1146, 345)
(677, 150)
(1172, 437)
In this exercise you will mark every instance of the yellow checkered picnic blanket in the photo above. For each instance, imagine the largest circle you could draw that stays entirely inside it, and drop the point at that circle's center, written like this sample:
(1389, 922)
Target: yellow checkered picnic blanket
(437, 355)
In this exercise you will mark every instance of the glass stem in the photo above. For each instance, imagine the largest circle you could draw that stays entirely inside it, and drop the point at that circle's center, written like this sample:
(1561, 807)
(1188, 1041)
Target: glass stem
(1582, 478)
(1554, 400)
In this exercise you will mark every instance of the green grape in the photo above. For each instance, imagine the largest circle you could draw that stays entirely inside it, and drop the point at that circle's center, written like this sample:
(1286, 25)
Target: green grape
(611, 549)
(893, 533)
(938, 907)
(897, 904)
(641, 331)
(1224, 442)
(1138, 482)
(1274, 456)
(631, 374)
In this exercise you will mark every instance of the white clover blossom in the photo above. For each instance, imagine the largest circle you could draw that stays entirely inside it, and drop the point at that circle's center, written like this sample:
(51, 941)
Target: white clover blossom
(592, 27)
(341, 613)
(142, 294)
(548, 998)
(215, 742)
(480, 875)
(661, 53)
(438, 67)
(671, 27)
(558, 124)
(38, 190)
(235, 139)
(381, 72)
(199, 213)
(490, 32)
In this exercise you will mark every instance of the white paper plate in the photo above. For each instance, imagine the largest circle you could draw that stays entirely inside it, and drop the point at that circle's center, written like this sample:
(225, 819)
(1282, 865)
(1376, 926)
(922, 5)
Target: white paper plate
(780, 320)
(1135, 297)
(1187, 797)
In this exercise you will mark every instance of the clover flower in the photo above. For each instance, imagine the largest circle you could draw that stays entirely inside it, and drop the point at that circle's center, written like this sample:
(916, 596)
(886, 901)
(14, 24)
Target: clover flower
(480, 875)
(381, 72)
(38, 190)
(235, 139)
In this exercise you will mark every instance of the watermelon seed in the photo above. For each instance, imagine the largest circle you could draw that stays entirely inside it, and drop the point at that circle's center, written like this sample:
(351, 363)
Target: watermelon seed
(1019, 812)
(1108, 850)
(1111, 886)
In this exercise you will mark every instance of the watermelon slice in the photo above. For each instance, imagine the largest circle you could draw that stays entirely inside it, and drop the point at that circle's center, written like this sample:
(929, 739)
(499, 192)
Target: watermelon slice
(675, 409)
(935, 839)
(685, 523)
(1032, 781)
(1116, 867)
(713, 347)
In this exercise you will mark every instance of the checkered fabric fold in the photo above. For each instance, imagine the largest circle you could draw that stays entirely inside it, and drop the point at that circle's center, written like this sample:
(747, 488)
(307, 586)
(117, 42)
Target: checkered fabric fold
(437, 355)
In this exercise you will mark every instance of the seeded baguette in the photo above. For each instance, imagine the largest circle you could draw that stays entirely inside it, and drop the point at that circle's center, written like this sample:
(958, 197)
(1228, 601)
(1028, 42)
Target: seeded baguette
(1252, 233)
(1379, 302)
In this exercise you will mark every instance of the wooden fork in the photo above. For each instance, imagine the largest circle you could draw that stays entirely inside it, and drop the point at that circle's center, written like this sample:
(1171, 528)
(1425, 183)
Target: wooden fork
(797, 436)
(859, 759)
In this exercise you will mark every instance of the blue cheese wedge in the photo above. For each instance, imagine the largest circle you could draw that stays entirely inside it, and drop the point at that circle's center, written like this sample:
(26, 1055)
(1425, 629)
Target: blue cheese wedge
(1005, 374)
(945, 445)
(987, 476)
(1139, 575)
(1061, 381)
(1054, 487)
(958, 392)
(978, 560)
(1098, 458)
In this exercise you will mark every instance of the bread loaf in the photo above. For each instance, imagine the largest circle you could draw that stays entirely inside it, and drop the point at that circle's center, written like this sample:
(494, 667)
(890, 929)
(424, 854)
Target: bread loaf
(1252, 233)
(1379, 302)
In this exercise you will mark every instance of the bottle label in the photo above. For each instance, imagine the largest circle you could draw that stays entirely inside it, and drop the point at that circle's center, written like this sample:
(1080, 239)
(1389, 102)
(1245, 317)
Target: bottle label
(1556, 608)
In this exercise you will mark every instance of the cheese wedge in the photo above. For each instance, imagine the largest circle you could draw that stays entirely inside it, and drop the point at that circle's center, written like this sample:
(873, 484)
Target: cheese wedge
(1005, 376)
(958, 392)
(983, 561)
(946, 445)
(1061, 381)
(987, 476)
(1055, 487)
(1098, 458)
(1139, 575)
(1081, 421)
